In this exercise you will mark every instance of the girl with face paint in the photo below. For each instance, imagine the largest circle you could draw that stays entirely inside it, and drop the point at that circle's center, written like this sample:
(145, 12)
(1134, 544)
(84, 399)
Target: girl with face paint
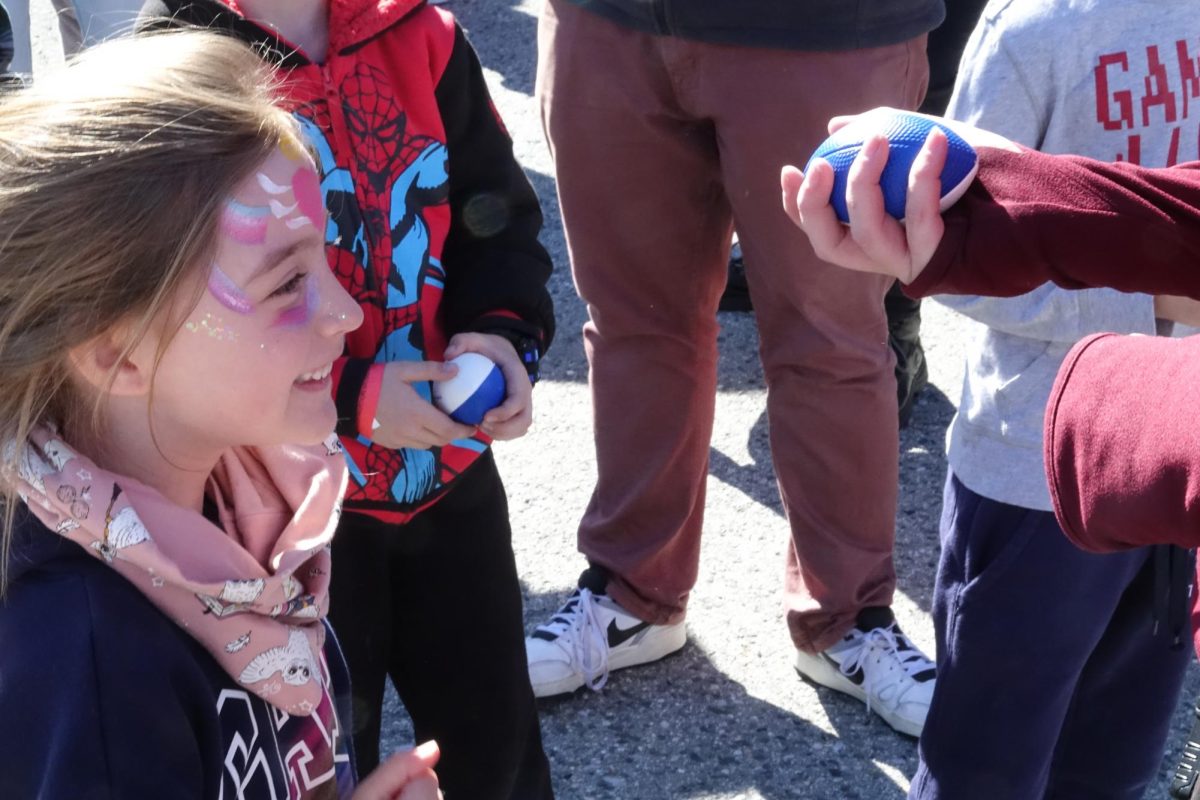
(433, 229)
(168, 326)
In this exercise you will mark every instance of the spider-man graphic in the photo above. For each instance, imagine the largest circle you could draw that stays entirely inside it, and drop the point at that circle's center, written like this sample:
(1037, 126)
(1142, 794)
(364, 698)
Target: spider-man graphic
(378, 243)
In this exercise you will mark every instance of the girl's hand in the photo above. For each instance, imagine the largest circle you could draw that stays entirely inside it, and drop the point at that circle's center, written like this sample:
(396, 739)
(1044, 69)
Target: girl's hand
(512, 418)
(873, 241)
(408, 420)
(407, 775)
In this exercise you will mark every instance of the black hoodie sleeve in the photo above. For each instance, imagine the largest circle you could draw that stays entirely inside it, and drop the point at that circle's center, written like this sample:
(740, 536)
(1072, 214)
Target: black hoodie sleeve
(496, 270)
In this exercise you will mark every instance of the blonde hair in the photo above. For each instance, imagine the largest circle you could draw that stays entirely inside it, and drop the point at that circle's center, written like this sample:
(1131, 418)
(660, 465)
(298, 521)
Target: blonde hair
(113, 172)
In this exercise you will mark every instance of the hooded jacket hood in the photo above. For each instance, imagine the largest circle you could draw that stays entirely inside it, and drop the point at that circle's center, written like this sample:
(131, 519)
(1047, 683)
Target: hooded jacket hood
(351, 22)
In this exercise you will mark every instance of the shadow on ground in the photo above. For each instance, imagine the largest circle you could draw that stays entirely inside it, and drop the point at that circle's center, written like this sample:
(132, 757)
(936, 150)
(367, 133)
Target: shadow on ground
(686, 730)
(504, 37)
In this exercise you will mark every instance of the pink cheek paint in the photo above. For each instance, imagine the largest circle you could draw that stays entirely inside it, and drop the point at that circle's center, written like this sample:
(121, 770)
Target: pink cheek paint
(245, 224)
(228, 293)
(300, 313)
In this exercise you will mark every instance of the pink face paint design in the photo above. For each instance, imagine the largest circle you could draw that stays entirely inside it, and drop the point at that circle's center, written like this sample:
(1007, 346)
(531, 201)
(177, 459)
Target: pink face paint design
(306, 188)
(228, 293)
(245, 224)
(301, 313)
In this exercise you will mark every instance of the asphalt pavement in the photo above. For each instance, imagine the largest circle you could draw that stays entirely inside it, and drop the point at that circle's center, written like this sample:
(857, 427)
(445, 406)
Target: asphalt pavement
(727, 717)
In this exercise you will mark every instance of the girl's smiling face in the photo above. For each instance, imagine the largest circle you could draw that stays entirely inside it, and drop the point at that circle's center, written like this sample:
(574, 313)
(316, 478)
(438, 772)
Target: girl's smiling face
(251, 363)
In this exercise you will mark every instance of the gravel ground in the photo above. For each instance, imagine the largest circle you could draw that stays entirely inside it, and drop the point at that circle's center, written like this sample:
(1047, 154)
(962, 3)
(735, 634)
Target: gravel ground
(727, 717)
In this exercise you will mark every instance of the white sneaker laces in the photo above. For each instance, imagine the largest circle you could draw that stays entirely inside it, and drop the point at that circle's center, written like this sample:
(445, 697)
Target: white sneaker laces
(894, 647)
(586, 641)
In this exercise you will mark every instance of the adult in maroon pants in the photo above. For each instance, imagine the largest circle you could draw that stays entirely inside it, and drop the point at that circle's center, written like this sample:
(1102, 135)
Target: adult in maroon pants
(682, 132)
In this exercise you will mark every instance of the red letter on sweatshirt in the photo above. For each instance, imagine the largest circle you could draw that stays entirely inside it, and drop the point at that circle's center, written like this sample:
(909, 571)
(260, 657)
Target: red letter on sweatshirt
(1104, 101)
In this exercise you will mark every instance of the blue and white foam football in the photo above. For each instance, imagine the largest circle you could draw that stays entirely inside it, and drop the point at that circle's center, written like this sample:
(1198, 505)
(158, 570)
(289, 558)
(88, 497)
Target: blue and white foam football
(477, 388)
(906, 132)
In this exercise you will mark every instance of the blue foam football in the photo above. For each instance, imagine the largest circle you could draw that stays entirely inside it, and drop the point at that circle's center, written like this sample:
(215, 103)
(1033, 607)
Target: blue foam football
(905, 132)
(477, 388)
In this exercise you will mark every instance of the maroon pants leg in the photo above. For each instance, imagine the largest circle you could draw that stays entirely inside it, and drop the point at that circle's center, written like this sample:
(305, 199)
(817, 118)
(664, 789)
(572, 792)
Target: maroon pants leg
(648, 229)
(831, 398)
(650, 160)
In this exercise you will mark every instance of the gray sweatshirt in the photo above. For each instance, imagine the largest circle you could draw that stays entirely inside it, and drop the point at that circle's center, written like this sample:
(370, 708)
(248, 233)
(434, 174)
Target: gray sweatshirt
(1109, 79)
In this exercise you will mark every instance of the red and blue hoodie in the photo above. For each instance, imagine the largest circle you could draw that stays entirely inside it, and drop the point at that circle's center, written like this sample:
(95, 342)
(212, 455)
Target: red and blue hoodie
(432, 224)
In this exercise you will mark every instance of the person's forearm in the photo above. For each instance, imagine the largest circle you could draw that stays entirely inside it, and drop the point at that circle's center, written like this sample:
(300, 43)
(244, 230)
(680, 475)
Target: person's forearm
(1122, 443)
(1030, 218)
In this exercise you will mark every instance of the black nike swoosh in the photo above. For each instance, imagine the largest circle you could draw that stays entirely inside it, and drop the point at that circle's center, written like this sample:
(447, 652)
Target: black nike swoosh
(855, 677)
(617, 636)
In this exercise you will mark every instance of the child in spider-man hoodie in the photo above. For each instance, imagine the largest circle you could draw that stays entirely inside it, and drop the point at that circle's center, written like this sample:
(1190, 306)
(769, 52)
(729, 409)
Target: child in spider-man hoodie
(433, 228)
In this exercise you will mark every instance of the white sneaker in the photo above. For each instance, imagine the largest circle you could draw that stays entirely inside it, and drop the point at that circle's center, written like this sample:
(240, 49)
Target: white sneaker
(882, 668)
(589, 637)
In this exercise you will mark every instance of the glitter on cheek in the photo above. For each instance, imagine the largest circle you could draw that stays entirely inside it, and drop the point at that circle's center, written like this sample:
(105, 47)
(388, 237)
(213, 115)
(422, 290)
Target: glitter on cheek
(245, 224)
(228, 293)
(213, 327)
(301, 313)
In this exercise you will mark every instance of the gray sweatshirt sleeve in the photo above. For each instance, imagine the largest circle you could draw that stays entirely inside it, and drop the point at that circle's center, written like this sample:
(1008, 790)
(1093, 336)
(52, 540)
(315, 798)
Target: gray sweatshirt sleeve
(1051, 314)
(998, 91)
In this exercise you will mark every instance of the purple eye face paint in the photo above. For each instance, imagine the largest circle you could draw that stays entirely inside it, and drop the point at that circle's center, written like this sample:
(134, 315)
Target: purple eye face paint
(285, 189)
(245, 224)
(300, 313)
(228, 293)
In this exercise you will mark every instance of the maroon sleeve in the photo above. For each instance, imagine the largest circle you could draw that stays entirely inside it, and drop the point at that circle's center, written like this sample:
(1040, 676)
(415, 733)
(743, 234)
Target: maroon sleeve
(1031, 217)
(1122, 442)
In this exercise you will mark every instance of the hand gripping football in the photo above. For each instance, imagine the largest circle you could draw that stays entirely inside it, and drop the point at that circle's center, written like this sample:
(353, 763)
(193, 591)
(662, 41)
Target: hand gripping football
(906, 132)
(478, 387)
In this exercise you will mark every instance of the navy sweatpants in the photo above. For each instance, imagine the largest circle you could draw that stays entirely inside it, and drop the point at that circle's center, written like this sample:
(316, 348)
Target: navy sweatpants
(1051, 682)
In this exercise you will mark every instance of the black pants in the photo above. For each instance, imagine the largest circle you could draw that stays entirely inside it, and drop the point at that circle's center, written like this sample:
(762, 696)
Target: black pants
(434, 604)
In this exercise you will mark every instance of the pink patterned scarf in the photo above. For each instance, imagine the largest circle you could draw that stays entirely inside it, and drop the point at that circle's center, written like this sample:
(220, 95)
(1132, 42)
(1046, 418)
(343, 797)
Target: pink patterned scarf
(255, 593)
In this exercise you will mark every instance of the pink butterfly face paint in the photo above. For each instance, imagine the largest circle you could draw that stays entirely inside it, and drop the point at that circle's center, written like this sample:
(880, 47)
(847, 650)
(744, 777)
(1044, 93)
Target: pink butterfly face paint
(306, 188)
(286, 190)
(300, 313)
(303, 195)
(228, 293)
(245, 224)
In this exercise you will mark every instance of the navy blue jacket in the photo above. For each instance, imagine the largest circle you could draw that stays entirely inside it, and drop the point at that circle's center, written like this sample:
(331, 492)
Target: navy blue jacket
(102, 697)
